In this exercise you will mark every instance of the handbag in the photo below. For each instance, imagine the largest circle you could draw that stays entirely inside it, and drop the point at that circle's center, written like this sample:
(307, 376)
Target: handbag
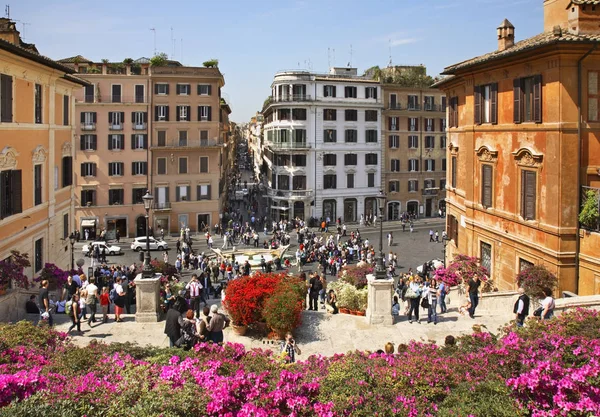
(425, 302)
(538, 312)
(410, 293)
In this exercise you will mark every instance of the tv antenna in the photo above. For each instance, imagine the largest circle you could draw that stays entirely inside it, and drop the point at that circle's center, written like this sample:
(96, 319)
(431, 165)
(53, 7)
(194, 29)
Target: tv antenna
(154, 30)
(328, 57)
(350, 63)
(390, 47)
(181, 50)
(7, 11)
(172, 44)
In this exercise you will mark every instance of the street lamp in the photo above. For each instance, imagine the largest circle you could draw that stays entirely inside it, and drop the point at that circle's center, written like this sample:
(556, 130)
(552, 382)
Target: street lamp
(379, 267)
(445, 241)
(72, 240)
(147, 273)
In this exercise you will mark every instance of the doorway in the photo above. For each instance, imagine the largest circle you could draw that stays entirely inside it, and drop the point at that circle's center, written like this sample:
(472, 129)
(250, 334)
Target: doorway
(428, 207)
(299, 210)
(203, 222)
(350, 210)
(140, 226)
(371, 206)
(393, 211)
(329, 209)
(412, 207)
(112, 225)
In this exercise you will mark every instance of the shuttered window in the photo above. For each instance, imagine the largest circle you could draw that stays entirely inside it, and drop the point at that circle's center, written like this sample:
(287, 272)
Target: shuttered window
(486, 185)
(528, 194)
(67, 171)
(10, 193)
(453, 112)
(527, 99)
(486, 104)
(65, 110)
(452, 228)
(6, 98)
(453, 173)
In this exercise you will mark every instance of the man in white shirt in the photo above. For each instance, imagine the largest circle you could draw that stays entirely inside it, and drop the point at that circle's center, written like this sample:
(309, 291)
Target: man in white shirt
(92, 299)
(195, 294)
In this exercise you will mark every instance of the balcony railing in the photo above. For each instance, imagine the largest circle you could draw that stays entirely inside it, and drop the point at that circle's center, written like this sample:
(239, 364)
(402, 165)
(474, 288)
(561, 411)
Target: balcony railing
(289, 145)
(188, 143)
(114, 99)
(140, 126)
(162, 206)
(88, 126)
(413, 107)
(116, 126)
(290, 98)
(431, 191)
(290, 195)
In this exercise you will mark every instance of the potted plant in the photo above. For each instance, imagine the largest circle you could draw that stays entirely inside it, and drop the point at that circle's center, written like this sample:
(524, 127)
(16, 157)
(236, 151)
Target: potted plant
(362, 297)
(211, 63)
(589, 215)
(535, 279)
(12, 268)
(283, 311)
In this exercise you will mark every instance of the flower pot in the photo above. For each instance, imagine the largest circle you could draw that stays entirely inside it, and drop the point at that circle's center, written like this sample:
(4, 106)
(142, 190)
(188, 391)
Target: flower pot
(354, 312)
(239, 330)
(361, 313)
(344, 310)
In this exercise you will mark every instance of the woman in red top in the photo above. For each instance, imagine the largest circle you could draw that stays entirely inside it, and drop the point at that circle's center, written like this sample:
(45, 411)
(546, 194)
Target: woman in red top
(105, 303)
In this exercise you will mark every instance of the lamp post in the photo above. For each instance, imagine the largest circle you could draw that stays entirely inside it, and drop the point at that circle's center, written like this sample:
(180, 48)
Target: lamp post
(147, 273)
(72, 241)
(445, 241)
(379, 267)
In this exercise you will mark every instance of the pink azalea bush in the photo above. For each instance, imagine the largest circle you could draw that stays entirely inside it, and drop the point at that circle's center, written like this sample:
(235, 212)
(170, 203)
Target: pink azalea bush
(13, 269)
(549, 368)
(462, 269)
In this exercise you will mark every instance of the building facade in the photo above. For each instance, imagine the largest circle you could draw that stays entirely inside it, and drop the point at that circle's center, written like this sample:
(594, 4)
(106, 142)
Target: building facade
(322, 145)
(414, 150)
(36, 153)
(519, 152)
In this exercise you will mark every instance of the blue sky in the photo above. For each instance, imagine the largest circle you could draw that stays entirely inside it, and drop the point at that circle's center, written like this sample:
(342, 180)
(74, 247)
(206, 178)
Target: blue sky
(255, 39)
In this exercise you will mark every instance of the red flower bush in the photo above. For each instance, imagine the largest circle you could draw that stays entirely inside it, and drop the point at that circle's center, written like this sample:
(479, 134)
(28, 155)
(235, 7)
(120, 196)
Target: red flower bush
(535, 279)
(283, 309)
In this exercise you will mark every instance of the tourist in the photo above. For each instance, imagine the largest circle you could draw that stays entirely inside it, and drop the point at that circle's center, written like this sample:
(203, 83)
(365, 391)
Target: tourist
(70, 288)
(331, 305)
(389, 348)
(202, 331)
(473, 289)
(119, 300)
(169, 298)
(173, 323)
(390, 239)
(195, 288)
(315, 287)
(443, 290)
(217, 323)
(31, 307)
(548, 305)
(104, 303)
(431, 235)
(431, 292)
(323, 291)
(291, 349)
(75, 314)
(413, 294)
(92, 299)
(395, 309)
(450, 341)
(521, 307)
(189, 335)
(44, 301)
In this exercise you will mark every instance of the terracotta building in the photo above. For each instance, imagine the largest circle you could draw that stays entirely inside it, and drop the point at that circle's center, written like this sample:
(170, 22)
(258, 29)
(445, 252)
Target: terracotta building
(522, 140)
(414, 150)
(36, 152)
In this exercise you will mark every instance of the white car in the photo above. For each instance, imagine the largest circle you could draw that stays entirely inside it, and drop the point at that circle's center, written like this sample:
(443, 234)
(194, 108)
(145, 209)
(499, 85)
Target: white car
(139, 244)
(110, 249)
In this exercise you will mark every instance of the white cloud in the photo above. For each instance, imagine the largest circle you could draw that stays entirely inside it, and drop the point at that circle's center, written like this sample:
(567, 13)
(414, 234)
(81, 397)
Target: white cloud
(402, 41)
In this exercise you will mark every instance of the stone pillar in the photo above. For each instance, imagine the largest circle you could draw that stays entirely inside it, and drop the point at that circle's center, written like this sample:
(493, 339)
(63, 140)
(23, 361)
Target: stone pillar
(147, 299)
(379, 308)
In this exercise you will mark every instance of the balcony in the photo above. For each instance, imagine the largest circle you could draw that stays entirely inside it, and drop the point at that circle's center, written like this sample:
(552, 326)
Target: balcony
(290, 98)
(88, 126)
(290, 195)
(188, 143)
(114, 126)
(433, 107)
(140, 126)
(289, 145)
(108, 99)
(413, 107)
(164, 206)
(394, 106)
(431, 191)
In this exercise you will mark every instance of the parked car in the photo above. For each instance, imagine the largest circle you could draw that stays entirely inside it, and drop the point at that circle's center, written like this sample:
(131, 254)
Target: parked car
(139, 244)
(110, 249)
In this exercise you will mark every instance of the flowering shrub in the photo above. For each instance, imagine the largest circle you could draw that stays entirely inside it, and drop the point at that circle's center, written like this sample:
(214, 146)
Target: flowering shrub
(462, 269)
(12, 269)
(283, 309)
(356, 275)
(548, 368)
(535, 279)
(162, 267)
(55, 276)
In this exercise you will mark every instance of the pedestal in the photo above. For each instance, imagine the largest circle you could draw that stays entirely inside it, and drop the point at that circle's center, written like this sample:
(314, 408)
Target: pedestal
(147, 299)
(379, 308)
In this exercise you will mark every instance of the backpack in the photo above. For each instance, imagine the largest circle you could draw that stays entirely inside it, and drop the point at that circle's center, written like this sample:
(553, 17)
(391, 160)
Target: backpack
(112, 295)
(68, 306)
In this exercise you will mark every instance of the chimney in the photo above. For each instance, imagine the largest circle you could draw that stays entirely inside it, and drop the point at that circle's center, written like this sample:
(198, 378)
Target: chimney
(506, 35)
(9, 32)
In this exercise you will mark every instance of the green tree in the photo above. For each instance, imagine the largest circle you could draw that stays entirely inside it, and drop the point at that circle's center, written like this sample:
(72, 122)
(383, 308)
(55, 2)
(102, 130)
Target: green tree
(589, 214)
(159, 60)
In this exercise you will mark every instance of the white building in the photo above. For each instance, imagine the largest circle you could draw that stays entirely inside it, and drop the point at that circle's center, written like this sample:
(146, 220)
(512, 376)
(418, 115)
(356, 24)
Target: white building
(322, 145)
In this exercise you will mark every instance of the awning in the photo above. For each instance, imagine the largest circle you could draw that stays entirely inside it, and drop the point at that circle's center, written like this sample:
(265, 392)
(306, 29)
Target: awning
(88, 223)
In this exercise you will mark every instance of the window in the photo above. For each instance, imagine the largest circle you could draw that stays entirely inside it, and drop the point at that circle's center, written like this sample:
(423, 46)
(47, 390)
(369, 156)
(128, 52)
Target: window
(161, 89)
(183, 113)
(204, 113)
(395, 165)
(527, 95)
(349, 180)
(486, 185)
(350, 92)
(330, 159)
(413, 165)
(429, 102)
(371, 180)
(66, 226)
(370, 115)
(37, 185)
(371, 92)
(329, 91)
(524, 264)
(139, 119)
(429, 184)
(88, 120)
(452, 228)
(413, 186)
(371, 159)
(139, 168)
(393, 123)
(116, 93)
(88, 142)
(182, 193)
(485, 251)
(88, 198)
(38, 104)
(298, 114)
(299, 182)
(429, 125)
(284, 114)
(66, 110)
(116, 197)
(6, 98)
(350, 159)
(351, 135)
(283, 182)
(486, 104)
(442, 142)
(161, 138)
(413, 124)
(453, 113)
(351, 115)
(139, 93)
(137, 194)
(394, 141)
(116, 142)
(329, 114)
(298, 160)
(55, 177)
(453, 173)
(413, 142)
(593, 96)
(88, 169)
(183, 138)
(183, 165)
(161, 113)
(429, 142)
(89, 93)
(371, 136)
(444, 164)
(203, 164)
(204, 138)
(329, 135)
(430, 165)
(329, 181)
(115, 120)
(394, 186)
(139, 141)
(443, 103)
(413, 102)
(203, 192)
(394, 102)
(161, 166)
(183, 89)
(443, 124)
(38, 255)
(67, 171)
(204, 89)
(443, 184)
(10, 193)
(116, 169)
(528, 194)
